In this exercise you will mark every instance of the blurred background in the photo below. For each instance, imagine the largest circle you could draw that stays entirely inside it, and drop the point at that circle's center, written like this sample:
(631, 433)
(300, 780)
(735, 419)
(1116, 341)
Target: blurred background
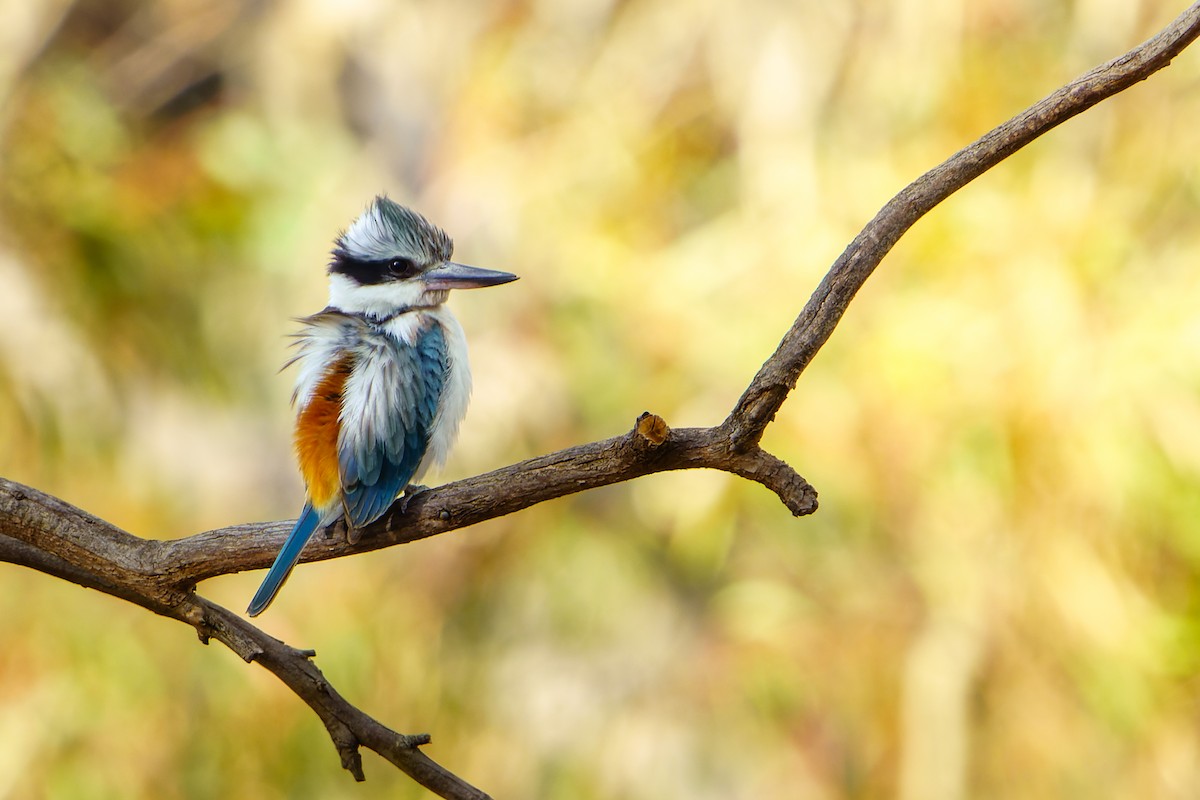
(1000, 594)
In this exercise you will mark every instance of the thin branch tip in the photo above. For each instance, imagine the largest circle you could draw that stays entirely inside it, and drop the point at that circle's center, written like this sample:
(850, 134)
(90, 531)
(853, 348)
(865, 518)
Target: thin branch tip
(352, 763)
(414, 740)
(797, 494)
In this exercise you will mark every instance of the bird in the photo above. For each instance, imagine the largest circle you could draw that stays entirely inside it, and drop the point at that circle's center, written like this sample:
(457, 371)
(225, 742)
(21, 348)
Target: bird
(383, 380)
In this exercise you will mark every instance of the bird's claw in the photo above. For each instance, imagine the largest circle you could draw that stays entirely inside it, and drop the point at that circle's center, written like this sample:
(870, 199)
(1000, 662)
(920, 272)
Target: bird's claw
(411, 491)
(352, 533)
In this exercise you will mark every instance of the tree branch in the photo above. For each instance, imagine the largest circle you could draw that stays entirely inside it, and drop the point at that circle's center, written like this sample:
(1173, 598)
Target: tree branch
(43, 532)
(54, 537)
(777, 377)
(496, 494)
(50, 535)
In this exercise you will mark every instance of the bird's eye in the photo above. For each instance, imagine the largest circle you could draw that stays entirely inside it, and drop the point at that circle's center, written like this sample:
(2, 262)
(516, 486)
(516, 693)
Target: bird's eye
(402, 267)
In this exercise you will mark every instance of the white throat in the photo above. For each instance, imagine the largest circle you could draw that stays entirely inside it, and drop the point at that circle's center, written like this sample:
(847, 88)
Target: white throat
(380, 299)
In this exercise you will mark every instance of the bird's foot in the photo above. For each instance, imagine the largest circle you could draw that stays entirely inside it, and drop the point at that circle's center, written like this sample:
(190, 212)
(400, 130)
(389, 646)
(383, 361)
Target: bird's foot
(343, 528)
(410, 491)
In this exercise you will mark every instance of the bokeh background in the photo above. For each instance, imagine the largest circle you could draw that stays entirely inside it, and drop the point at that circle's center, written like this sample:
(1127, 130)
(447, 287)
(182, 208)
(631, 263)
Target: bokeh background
(1000, 595)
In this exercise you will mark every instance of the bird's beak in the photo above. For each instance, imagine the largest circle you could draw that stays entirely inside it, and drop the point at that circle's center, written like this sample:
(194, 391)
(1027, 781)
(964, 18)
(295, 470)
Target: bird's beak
(460, 276)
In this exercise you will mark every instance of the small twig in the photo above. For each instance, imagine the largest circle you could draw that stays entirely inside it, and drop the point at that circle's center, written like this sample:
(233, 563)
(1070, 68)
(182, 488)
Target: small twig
(348, 726)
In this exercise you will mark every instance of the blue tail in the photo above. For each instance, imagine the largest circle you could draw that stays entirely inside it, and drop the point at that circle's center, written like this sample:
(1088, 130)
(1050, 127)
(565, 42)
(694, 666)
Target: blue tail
(287, 558)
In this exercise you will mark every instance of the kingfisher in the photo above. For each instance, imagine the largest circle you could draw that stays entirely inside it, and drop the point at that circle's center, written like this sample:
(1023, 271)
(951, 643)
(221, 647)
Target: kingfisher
(383, 379)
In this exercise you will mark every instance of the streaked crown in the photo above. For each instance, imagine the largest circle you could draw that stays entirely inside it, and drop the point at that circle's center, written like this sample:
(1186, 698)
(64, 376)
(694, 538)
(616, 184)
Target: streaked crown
(389, 242)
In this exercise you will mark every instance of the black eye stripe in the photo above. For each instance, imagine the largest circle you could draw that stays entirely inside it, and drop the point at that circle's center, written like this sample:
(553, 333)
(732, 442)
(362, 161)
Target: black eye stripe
(365, 271)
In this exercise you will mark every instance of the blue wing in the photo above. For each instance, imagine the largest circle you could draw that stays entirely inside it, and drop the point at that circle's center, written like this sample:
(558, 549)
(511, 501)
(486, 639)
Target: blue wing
(395, 399)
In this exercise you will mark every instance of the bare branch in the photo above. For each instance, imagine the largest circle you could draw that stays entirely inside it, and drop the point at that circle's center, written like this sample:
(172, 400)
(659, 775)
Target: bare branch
(777, 377)
(45, 533)
(494, 494)
(173, 567)
(348, 726)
